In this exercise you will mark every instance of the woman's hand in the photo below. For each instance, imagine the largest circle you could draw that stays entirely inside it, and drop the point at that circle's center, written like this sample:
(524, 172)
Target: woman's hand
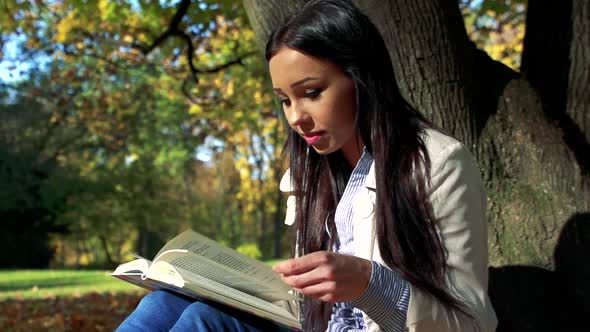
(327, 276)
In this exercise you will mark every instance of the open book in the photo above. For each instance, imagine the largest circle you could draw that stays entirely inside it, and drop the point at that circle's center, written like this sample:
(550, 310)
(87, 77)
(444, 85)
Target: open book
(196, 266)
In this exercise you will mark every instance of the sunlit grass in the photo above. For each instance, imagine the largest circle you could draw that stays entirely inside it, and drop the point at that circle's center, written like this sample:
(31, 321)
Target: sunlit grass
(34, 284)
(50, 283)
(274, 261)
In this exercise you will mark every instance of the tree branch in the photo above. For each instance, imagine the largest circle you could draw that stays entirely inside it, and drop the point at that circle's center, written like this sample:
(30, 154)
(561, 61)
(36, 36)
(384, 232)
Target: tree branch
(174, 30)
(195, 71)
(172, 27)
(190, 54)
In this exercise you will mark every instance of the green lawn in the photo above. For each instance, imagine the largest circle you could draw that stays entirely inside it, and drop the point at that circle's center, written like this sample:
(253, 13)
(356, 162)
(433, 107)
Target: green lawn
(49, 283)
(35, 284)
(274, 261)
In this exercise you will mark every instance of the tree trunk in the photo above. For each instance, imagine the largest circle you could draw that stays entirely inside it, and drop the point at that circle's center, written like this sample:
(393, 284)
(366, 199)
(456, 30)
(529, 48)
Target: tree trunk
(428, 52)
(556, 61)
(264, 16)
(149, 241)
(578, 98)
(105, 246)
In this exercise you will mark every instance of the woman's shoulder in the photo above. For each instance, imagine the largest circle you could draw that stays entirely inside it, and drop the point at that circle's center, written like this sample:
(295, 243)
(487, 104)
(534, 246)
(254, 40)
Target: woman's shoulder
(441, 146)
(437, 141)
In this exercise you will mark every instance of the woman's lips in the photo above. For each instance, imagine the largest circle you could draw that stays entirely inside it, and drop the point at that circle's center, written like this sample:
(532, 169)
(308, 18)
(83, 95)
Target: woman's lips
(312, 138)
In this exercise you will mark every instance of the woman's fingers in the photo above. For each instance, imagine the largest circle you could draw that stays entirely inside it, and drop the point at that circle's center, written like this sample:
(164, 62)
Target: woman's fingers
(321, 273)
(327, 276)
(304, 263)
(325, 291)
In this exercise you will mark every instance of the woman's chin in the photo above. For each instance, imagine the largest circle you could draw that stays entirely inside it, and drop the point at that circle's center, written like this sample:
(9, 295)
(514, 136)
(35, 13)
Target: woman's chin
(323, 150)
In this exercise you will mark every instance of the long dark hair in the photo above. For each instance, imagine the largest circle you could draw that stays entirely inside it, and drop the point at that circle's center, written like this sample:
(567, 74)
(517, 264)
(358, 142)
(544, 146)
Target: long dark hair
(335, 30)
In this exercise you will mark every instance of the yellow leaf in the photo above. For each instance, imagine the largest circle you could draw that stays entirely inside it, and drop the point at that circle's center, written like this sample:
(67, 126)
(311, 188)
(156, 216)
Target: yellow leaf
(258, 97)
(195, 109)
(64, 27)
(106, 8)
(230, 89)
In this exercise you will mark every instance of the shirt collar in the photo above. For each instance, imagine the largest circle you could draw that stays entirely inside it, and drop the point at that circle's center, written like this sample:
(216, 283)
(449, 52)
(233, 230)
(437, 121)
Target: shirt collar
(370, 181)
(366, 157)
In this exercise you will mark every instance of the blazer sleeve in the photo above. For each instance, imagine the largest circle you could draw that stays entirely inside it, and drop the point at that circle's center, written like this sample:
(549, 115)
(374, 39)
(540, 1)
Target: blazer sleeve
(458, 199)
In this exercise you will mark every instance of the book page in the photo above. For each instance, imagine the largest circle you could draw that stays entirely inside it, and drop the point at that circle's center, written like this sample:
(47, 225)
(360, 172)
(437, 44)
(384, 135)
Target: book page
(222, 274)
(137, 266)
(259, 274)
(195, 285)
(140, 281)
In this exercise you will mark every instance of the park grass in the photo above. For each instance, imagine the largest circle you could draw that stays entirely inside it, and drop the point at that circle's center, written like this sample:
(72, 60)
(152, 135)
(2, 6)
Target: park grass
(39, 284)
(274, 261)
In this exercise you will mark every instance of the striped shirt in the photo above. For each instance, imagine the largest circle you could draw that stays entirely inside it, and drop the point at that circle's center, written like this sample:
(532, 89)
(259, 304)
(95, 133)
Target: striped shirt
(388, 294)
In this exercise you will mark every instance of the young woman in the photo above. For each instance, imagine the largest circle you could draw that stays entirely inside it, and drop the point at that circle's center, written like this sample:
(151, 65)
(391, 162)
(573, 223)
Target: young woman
(388, 212)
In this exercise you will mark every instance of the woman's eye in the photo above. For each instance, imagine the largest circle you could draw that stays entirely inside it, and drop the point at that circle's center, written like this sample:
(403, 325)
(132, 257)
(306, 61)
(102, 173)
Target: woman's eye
(313, 94)
(285, 101)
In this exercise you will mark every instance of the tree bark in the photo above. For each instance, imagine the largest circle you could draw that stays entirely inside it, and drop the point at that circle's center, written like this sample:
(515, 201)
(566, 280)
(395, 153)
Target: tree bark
(578, 97)
(428, 46)
(546, 68)
(531, 178)
(264, 16)
(556, 61)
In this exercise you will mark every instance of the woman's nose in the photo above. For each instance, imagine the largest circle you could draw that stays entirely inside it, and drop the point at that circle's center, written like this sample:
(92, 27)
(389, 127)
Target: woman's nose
(297, 116)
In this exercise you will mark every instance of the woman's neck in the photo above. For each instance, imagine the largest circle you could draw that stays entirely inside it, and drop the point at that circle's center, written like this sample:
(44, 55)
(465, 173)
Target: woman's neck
(353, 150)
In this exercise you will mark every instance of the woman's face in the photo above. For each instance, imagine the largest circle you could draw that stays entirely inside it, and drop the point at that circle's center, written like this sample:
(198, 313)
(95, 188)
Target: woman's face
(318, 100)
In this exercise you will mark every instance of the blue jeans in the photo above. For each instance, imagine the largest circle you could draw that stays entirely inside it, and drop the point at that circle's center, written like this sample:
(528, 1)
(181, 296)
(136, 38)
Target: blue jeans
(166, 311)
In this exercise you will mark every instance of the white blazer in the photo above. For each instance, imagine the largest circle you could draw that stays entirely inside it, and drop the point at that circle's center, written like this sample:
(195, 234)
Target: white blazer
(458, 199)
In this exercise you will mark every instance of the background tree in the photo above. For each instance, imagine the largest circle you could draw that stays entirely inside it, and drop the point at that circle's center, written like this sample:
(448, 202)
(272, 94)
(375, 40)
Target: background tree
(152, 87)
(34, 187)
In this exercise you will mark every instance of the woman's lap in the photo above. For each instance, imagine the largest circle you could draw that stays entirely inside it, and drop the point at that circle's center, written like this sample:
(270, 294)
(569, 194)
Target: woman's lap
(164, 311)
